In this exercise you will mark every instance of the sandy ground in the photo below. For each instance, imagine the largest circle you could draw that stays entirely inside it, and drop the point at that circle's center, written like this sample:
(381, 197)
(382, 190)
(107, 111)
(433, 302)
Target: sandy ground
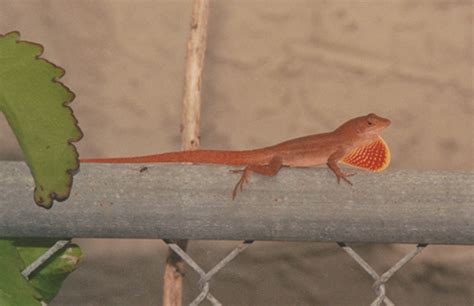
(274, 70)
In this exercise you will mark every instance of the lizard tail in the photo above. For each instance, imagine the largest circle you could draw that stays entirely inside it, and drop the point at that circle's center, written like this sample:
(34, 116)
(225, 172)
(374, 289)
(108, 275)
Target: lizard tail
(236, 158)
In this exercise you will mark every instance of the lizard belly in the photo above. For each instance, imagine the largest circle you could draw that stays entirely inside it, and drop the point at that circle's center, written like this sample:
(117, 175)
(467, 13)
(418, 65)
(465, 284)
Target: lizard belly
(304, 160)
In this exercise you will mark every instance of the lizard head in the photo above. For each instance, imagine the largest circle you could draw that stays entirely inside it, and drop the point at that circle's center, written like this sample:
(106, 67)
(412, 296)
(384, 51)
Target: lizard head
(372, 124)
(367, 127)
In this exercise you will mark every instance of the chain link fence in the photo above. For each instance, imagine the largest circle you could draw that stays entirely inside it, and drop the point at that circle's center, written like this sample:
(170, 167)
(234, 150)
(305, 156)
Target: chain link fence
(205, 277)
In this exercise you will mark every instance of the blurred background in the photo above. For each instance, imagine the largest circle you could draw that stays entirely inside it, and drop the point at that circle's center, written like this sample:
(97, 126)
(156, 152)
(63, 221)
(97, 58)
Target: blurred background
(274, 70)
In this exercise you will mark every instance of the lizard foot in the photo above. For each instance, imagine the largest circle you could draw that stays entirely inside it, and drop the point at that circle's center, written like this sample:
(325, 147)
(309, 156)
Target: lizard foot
(243, 180)
(344, 176)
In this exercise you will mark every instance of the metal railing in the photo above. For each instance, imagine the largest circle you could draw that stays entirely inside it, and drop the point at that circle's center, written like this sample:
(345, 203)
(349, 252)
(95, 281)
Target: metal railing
(121, 201)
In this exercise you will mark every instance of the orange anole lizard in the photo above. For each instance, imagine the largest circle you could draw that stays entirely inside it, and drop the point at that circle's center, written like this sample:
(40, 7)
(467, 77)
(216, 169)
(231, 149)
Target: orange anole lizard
(356, 143)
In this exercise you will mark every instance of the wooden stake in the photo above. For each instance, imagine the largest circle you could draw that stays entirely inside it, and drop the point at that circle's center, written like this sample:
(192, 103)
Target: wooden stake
(190, 124)
(191, 116)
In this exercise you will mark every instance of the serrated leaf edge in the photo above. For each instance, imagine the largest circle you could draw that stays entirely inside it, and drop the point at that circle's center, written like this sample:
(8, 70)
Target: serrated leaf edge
(70, 172)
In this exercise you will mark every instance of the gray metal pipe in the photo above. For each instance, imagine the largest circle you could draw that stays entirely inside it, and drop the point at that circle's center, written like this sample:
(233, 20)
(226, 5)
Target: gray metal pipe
(194, 202)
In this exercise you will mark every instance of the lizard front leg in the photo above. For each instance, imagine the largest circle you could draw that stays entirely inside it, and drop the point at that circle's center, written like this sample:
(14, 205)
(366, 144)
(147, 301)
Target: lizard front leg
(332, 164)
(270, 169)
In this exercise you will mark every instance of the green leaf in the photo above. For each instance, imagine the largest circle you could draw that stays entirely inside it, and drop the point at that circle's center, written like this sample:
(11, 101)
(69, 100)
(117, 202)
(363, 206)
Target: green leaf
(49, 277)
(14, 288)
(34, 104)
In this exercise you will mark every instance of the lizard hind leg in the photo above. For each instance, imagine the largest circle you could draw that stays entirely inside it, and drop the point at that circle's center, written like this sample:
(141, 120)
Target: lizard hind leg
(270, 169)
(246, 172)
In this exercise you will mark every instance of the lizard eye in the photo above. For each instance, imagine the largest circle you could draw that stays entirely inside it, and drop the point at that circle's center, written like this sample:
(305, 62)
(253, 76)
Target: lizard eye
(369, 122)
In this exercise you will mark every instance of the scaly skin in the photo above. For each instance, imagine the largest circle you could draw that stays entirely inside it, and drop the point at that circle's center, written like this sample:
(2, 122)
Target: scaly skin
(327, 148)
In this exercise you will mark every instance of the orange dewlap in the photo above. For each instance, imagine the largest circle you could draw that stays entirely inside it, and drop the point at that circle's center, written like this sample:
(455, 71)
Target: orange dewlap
(373, 157)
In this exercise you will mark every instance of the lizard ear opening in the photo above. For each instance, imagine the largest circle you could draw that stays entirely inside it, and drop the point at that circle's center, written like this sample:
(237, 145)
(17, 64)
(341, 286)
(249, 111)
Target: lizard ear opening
(373, 157)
